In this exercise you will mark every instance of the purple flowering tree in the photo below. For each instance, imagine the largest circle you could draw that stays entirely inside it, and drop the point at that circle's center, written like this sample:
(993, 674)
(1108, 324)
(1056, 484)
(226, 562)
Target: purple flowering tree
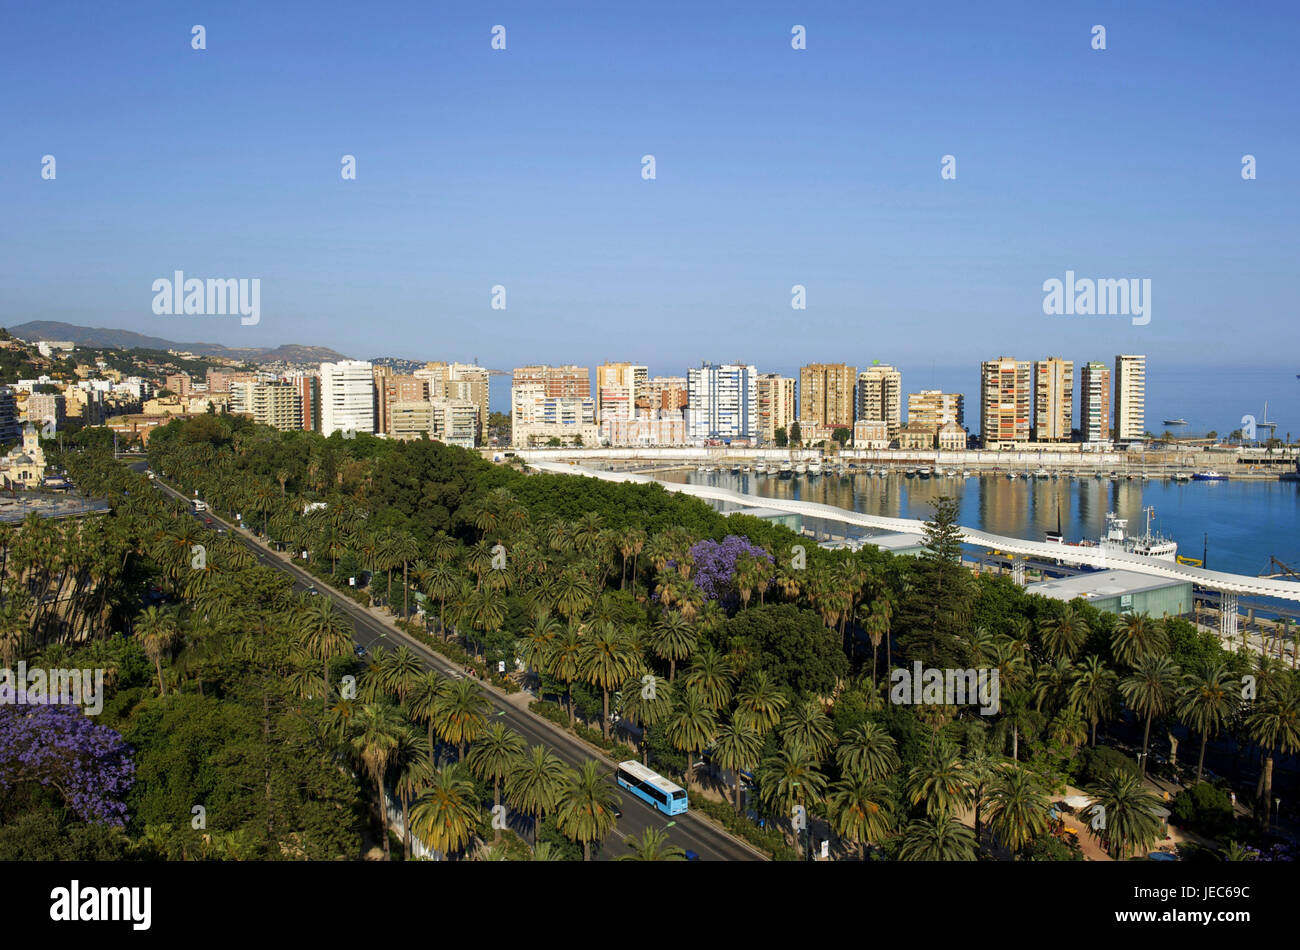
(715, 567)
(57, 746)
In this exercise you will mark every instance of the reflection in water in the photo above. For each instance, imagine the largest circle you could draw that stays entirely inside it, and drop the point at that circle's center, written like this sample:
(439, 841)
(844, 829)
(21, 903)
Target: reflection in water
(1246, 521)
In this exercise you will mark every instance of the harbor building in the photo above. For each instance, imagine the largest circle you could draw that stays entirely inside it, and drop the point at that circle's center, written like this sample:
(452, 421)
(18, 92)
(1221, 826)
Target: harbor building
(1121, 592)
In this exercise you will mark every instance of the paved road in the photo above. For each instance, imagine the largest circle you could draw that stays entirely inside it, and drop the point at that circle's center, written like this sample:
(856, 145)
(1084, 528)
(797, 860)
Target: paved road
(689, 831)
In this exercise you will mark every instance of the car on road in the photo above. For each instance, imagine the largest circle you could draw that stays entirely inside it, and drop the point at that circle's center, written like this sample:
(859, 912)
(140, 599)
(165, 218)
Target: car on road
(691, 855)
(312, 592)
(618, 813)
(360, 651)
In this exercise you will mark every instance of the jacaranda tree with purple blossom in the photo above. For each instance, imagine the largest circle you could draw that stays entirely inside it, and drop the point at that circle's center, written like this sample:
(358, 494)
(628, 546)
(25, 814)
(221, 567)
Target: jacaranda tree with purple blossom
(57, 746)
(715, 567)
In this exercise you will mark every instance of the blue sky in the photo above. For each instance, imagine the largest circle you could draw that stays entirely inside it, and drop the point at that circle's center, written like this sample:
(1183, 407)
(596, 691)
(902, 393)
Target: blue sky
(775, 167)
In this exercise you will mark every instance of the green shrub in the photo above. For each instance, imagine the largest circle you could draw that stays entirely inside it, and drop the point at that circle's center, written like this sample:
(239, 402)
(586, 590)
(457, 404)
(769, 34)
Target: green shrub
(1203, 808)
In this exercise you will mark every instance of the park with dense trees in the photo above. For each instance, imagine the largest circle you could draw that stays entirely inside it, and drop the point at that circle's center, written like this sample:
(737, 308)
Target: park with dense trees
(771, 676)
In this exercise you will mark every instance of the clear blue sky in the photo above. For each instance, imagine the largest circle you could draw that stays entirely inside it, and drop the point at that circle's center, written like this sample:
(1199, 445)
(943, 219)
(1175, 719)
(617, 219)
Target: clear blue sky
(775, 167)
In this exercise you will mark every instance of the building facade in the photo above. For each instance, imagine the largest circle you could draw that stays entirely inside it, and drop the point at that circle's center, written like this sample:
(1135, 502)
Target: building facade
(1130, 398)
(618, 387)
(1094, 402)
(722, 402)
(930, 407)
(347, 397)
(880, 397)
(825, 399)
(776, 405)
(1006, 398)
(1053, 400)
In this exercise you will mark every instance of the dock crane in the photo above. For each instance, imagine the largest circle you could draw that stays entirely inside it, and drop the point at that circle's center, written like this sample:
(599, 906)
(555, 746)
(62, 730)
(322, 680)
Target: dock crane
(1283, 570)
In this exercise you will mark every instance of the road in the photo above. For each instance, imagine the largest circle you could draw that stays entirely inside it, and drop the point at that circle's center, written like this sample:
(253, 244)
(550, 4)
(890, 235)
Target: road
(688, 831)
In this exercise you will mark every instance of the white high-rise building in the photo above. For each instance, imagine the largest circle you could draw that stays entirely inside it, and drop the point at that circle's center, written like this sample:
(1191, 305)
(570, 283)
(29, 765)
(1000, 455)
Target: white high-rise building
(347, 397)
(1130, 398)
(722, 402)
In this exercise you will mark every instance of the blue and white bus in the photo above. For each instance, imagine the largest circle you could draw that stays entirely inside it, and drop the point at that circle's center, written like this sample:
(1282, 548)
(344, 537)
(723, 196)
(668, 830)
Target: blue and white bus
(651, 787)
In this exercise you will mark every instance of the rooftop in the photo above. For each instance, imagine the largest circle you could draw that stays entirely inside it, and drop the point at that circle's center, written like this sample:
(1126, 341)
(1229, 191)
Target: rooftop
(1099, 585)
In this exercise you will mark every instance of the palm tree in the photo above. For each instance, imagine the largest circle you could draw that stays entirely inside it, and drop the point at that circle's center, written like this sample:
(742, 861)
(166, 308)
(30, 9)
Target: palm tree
(156, 628)
(937, 838)
(653, 845)
(608, 657)
(869, 751)
(1065, 635)
(647, 704)
(691, 727)
(1018, 808)
(941, 782)
(860, 810)
(423, 703)
(416, 771)
(537, 642)
(565, 662)
(760, 702)
(1149, 690)
(1275, 726)
(737, 747)
(791, 778)
(404, 550)
(586, 808)
(631, 545)
(461, 715)
(672, 639)
(533, 786)
(807, 725)
(442, 583)
(376, 737)
(1093, 691)
(1207, 701)
(446, 814)
(400, 672)
(1125, 814)
(1136, 637)
(493, 756)
(711, 674)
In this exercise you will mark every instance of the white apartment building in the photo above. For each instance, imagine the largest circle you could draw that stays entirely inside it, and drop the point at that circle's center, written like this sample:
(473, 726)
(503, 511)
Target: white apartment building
(880, 396)
(1130, 398)
(347, 397)
(722, 402)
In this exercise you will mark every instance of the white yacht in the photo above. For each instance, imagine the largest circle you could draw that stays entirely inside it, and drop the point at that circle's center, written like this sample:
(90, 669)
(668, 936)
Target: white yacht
(815, 467)
(801, 468)
(786, 469)
(760, 468)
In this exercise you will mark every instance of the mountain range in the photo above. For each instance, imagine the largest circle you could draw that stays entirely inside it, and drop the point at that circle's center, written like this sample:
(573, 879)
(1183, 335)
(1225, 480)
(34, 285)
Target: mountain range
(126, 339)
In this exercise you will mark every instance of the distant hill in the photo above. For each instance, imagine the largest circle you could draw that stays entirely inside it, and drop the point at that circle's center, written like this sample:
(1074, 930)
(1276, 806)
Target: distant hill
(127, 339)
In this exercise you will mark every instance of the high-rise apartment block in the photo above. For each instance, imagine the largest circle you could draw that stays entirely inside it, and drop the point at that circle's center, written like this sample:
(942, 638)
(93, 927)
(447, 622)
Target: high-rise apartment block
(1130, 398)
(1094, 402)
(276, 405)
(776, 405)
(347, 397)
(880, 397)
(1053, 400)
(722, 402)
(665, 392)
(933, 408)
(1006, 398)
(618, 387)
(552, 402)
(825, 399)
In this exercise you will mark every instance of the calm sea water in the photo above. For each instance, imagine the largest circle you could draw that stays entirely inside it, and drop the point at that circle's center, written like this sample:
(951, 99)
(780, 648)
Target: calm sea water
(1245, 521)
